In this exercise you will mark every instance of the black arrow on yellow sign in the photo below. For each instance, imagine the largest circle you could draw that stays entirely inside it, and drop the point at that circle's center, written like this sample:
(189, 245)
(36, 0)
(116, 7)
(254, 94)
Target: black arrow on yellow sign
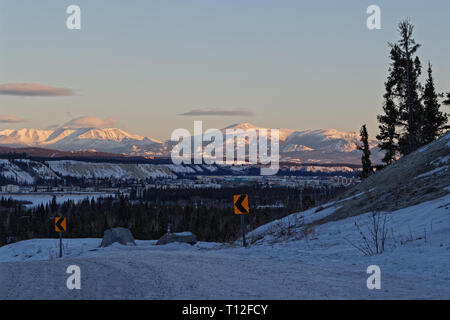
(60, 224)
(241, 204)
(241, 207)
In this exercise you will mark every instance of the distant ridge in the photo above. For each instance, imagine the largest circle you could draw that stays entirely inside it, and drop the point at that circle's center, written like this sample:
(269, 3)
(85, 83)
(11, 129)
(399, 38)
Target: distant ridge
(308, 146)
(50, 153)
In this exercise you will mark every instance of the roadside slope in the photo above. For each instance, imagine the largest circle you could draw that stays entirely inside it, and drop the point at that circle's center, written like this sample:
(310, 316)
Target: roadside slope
(418, 177)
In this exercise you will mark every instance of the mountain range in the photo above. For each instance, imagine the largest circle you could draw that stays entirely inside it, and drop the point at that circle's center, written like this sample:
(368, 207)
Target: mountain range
(312, 146)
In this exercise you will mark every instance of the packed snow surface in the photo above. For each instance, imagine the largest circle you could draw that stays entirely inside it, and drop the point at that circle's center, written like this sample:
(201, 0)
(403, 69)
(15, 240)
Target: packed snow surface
(277, 264)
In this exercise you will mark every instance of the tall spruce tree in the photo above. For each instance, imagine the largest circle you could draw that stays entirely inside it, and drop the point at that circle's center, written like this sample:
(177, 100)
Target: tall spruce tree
(389, 121)
(407, 88)
(433, 119)
(2, 234)
(365, 159)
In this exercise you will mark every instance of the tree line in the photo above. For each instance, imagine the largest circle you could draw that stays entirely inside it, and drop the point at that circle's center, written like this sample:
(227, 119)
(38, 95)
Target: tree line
(411, 114)
(208, 213)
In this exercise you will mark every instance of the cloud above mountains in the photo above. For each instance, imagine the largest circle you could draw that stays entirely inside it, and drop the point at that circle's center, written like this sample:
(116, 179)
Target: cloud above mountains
(218, 112)
(33, 90)
(90, 122)
(7, 118)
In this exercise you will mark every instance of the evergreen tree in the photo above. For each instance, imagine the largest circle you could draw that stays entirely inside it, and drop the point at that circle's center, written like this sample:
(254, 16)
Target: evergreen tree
(389, 121)
(2, 234)
(406, 72)
(365, 159)
(434, 120)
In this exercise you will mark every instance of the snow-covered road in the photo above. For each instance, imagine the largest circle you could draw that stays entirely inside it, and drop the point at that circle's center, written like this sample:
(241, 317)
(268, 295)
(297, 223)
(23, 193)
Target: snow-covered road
(278, 265)
(201, 274)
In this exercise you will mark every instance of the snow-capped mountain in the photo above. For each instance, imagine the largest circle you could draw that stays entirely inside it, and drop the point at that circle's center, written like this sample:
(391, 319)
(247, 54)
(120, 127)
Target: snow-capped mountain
(110, 140)
(321, 146)
(326, 145)
(283, 133)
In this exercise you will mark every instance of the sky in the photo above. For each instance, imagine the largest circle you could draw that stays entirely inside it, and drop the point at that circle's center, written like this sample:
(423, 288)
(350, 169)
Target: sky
(150, 67)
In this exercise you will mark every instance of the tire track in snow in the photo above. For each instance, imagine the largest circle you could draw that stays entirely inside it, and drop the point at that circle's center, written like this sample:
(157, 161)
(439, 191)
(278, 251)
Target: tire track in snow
(161, 274)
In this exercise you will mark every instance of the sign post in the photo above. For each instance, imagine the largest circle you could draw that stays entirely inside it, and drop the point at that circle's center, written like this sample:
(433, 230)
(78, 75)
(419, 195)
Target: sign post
(60, 244)
(60, 226)
(241, 207)
(243, 230)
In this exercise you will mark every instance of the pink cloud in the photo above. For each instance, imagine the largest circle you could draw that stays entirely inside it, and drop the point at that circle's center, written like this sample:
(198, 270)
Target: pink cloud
(90, 122)
(33, 90)
(232, 111)
(7, 118)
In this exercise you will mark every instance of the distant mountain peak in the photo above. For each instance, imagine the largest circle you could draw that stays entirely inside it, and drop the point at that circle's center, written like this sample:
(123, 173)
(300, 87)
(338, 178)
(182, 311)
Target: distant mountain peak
(244, 126)
(319, 145)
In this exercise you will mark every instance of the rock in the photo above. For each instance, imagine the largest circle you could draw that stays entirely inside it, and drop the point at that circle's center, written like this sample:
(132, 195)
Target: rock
(120, 235)
(185, 237)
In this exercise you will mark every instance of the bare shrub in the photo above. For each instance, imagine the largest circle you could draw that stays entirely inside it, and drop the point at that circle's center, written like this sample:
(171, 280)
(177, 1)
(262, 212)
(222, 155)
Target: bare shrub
(308, 232)
(374, 236)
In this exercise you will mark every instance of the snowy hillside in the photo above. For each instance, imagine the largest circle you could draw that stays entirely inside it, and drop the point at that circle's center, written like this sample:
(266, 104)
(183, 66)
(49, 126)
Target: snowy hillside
(24, 171)
(80, 169)
(418, 177)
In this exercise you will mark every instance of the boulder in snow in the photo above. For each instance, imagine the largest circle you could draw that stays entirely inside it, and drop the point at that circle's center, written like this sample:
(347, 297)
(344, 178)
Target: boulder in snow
(186, 237)
(120, 235)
